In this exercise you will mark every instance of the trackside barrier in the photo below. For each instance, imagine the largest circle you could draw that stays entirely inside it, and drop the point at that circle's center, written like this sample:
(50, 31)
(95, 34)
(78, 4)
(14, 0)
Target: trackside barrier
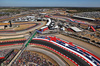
(2, 57)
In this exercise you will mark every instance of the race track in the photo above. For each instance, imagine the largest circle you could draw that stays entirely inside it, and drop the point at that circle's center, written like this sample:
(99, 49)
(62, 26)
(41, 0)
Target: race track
(11, 31)
(78, 60)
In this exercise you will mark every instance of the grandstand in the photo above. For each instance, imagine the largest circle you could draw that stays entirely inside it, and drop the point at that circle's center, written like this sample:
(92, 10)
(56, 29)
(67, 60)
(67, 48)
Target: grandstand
(4, 54)
(88, 15)
(29, 57)
(82, 24)
(83, 18)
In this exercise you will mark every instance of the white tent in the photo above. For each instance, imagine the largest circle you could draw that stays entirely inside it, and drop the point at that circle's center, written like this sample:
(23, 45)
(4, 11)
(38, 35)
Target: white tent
(5, 21)
(43, 13)
(56, 26)
(32, 17)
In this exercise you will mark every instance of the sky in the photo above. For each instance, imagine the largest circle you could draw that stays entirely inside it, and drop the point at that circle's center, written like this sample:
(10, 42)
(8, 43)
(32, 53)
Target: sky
(50, 3)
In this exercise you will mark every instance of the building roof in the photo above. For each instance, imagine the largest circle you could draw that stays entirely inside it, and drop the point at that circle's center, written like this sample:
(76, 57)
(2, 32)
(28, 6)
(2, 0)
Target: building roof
(76, 29)
(84, 17)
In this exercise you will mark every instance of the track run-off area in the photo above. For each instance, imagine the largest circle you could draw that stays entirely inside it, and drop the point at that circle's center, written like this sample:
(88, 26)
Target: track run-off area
(14, 31)
(76, 54)
(11, 32)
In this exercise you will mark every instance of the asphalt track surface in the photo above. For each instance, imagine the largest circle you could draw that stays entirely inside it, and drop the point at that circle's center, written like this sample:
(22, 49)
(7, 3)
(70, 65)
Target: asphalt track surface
(77, 59)
(36, 24)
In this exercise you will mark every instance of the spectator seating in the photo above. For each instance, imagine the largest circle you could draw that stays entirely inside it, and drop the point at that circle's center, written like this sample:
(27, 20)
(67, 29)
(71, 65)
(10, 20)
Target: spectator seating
(29, 58)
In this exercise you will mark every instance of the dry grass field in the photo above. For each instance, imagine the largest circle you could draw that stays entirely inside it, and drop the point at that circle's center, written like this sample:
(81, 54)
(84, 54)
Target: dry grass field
(22, 27)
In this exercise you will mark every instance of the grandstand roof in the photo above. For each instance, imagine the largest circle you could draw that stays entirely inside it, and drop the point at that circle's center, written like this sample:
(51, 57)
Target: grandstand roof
(84, 17)
(44, 27)
(43, 13)
(76, 29)
(56, 27)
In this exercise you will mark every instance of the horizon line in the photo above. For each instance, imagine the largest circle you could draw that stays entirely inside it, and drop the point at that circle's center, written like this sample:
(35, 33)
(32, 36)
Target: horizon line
(51, 6)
